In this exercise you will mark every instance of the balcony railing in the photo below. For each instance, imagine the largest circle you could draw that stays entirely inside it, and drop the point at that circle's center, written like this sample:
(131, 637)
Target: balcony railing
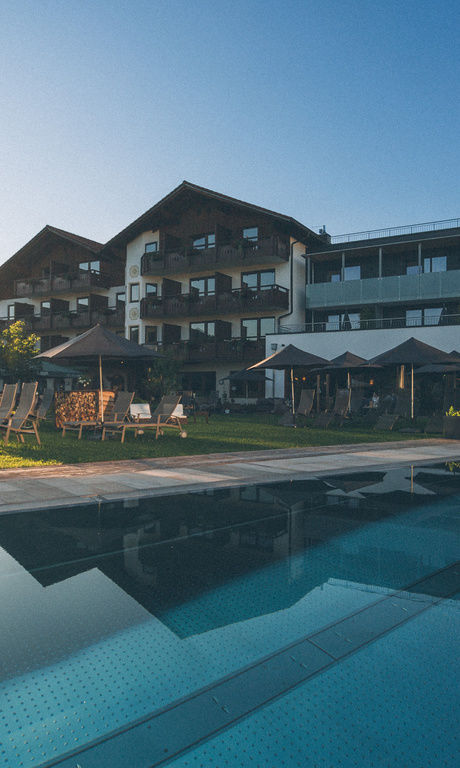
(236, 302)
(45, 286)
(113, 318)
(237, 350)
(370, 325)
(266, 251)
(384, 290)
(410, 229)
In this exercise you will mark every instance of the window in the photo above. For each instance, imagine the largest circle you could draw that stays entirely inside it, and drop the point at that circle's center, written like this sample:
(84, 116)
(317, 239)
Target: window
(10, 311)
(206, 286)
(82, 303)
(202, 331)
(134, 293)
(151, 247)
(257, 327)
(45, 307)
(134, 333)
(413, 269)
(204, 241)
(413, 317)
(352, 273)
(435, 264)
(120, 299)
(432, 315)
(151, 334)
(90, 266)
(151, 289)
(349, 321)
(258, 280)
(251, 234)
(335, 277)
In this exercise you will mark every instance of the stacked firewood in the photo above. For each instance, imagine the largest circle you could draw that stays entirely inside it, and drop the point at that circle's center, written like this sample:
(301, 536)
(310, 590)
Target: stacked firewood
(76, 406)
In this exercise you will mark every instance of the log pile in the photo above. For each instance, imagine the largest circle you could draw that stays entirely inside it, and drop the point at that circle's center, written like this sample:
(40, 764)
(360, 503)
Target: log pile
(79, 406)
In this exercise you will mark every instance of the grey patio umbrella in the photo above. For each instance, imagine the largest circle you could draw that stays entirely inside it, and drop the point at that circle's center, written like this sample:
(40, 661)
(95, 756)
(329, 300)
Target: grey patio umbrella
(246, 377)
(95, 345)
(413, 352)
(287, 358)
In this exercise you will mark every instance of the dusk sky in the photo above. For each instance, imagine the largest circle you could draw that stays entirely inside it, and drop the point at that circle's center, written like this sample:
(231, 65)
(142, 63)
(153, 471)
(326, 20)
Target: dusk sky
(338, 113)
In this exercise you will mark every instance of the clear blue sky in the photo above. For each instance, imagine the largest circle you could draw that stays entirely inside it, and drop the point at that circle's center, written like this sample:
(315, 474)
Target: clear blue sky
(334, 112)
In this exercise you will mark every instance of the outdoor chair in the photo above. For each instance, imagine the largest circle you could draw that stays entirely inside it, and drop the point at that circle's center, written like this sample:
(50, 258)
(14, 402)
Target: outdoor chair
(116, 419)
(22, 422)
(386, 421)
(44, 404)
(338, 413)
(356, 401)
(7, 402)
(434, 425)
(307, 398)
(162, 417)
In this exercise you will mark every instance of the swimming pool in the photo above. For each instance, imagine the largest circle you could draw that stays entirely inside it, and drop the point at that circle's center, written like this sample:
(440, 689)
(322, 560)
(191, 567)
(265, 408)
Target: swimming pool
(308, 623)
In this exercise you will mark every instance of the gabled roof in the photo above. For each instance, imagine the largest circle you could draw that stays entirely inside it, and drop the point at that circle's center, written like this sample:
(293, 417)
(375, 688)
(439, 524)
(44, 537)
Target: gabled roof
(147, 220)
(13, 267)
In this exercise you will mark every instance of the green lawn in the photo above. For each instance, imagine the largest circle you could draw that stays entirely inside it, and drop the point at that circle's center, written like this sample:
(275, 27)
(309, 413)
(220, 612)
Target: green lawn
(223, 433)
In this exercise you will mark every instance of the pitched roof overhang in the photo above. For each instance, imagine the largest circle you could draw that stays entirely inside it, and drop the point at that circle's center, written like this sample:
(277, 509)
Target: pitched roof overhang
(153, 218)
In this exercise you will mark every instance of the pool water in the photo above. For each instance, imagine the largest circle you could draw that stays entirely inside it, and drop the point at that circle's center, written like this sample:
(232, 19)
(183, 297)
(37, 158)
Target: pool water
(309, 623)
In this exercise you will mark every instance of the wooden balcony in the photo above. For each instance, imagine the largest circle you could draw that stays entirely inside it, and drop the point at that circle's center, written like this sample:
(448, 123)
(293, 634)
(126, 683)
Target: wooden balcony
(271, 250)
(239, 301)
(243, 351)
(47, 286)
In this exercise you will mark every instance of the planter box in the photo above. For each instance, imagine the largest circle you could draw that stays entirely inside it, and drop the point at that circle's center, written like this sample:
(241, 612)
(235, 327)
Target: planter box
(451, 427)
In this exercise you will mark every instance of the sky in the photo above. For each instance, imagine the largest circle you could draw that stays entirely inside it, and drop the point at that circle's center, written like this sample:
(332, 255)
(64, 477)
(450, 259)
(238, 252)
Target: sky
(338, 113)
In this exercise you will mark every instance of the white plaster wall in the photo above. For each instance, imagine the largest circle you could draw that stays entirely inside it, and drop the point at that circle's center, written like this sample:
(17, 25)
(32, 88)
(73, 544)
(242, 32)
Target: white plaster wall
(367, 344)
(134, 251)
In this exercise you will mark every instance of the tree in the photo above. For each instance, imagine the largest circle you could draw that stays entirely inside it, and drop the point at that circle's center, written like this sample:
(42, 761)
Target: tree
(17, 350)
(162, 377)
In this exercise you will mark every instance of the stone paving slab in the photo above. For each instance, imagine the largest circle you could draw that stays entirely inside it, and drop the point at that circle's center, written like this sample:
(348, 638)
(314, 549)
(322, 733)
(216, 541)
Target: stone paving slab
(42, 487)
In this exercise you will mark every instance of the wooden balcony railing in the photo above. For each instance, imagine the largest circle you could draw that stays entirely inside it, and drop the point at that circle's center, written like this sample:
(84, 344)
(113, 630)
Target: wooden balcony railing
(246, 253)
(113, 318)
(46, 286)
(235, 350)
(236, 302)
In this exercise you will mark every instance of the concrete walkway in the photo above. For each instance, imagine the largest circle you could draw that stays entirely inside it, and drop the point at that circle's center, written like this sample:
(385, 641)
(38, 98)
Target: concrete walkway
(43, 487)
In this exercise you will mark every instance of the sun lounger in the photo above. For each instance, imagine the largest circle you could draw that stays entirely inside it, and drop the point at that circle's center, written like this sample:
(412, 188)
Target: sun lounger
(341, 406)
(7, 402)
(386, 421)
(117, 419)
(165, 416)
(22, 422)
(44, 404)
(307, 398)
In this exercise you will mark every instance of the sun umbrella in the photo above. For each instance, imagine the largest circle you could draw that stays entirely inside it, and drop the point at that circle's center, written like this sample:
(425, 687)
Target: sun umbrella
(96, 344)
(288, 358)
(412, 352)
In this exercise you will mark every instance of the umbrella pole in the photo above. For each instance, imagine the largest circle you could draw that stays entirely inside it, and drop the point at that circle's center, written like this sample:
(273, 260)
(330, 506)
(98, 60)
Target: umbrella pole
(101, 389)
(412, 392)
(292, 395)
(348, 380)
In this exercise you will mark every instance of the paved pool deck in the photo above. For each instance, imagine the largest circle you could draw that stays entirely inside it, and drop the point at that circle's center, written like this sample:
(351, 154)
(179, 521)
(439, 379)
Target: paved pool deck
(64, 485)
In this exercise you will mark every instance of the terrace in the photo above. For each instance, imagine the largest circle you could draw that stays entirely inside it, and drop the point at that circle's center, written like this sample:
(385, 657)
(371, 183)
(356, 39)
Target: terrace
(235, 302)
(69, 283)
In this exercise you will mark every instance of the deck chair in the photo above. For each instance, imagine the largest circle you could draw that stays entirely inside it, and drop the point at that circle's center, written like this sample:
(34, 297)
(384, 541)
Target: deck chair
(386, 421)
(7, 402)
(44, 404)
(434, 425)
(22, 422)
(117, 418)
(162, 417)
(307, 398)
(356, 401)
(341, 405)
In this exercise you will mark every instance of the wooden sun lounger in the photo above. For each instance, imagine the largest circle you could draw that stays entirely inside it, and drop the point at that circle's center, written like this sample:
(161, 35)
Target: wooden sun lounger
(22, 422)
(7, 402)
(162, 418)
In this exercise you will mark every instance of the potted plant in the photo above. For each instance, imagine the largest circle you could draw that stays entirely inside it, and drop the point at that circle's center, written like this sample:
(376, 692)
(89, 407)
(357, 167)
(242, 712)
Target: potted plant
(451, 424)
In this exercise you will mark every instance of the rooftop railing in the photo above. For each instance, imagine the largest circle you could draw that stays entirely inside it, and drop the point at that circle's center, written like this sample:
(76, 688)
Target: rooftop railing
(410, 229)
(325, 326)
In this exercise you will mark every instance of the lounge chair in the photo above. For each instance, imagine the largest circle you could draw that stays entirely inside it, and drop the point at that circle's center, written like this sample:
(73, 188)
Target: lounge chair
(307, 398)
(116, 419)
(434, 425)
(338, 413)
(7, 402)
(22, 422)
(162, 418)
(44, 404)
(386, 421)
